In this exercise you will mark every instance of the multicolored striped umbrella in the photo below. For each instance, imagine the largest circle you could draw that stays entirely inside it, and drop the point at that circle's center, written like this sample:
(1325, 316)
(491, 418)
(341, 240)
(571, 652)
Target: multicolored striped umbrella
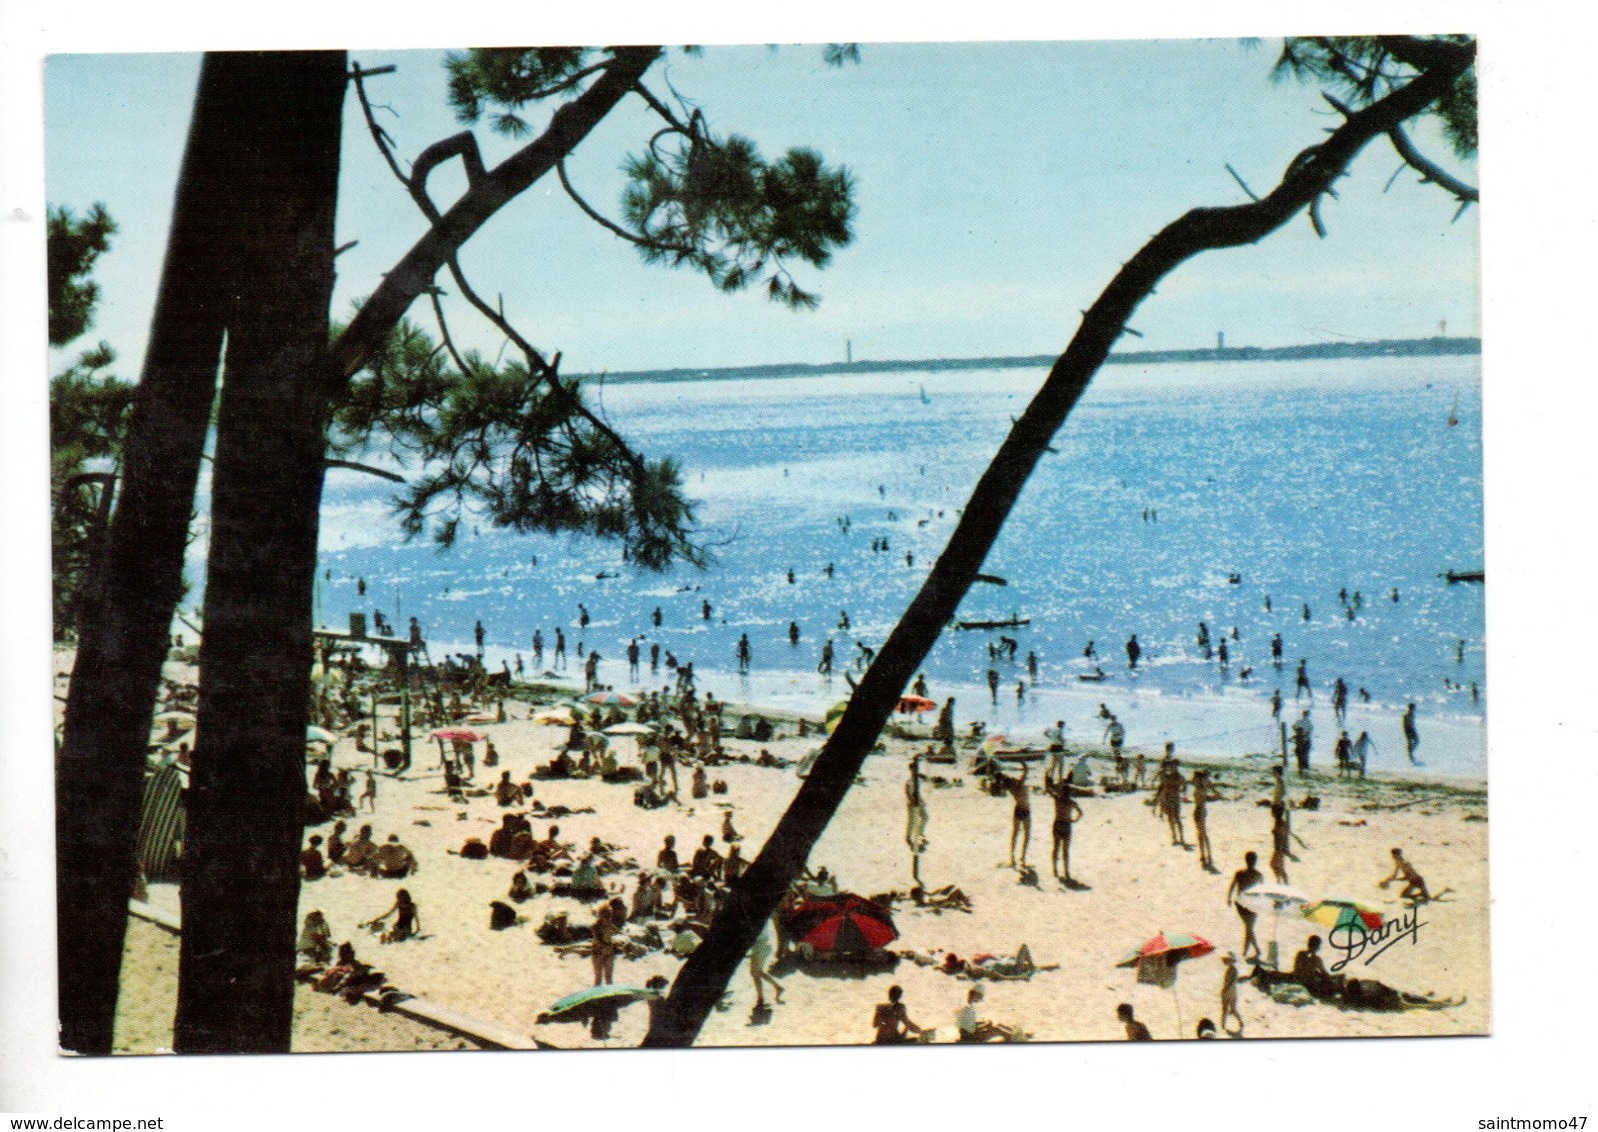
(1175, 946)
(1338, 913)
(618, 699)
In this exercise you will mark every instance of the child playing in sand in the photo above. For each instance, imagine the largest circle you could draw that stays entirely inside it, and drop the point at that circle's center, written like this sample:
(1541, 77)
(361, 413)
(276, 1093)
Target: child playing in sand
(1414, 887)
(407, 919)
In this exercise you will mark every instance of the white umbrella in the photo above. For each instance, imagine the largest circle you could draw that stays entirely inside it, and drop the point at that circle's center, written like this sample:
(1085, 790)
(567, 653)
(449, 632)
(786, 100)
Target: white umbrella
(1275, 898)
(630, 729)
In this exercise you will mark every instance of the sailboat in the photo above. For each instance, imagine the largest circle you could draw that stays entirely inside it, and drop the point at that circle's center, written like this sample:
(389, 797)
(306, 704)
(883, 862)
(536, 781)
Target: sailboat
(925, 400)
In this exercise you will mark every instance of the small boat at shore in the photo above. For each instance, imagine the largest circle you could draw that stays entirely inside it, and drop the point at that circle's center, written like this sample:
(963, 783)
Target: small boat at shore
(1008, 623)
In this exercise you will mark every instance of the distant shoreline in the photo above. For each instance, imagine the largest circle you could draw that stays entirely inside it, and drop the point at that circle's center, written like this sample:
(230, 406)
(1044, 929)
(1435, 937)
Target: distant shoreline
(1377, 348)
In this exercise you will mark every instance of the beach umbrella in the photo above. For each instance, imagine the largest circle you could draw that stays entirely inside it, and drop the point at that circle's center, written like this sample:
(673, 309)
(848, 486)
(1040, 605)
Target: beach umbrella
(842, 924)
(834, 714)
(1173, 947)
(1275, 899)
(578, 1006)
(1346, 914)
(1156, 962)
(917, 704)
(182, 720)
(618, 699)
(315, 734)
(459, 735)
(630, 729)
(559, 715)
(994, 742)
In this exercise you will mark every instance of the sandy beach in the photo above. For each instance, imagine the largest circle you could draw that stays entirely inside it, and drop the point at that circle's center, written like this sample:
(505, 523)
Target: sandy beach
(1138, 884)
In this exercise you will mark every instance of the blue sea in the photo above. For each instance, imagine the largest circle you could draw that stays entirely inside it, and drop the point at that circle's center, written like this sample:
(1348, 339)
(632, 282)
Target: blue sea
(1307, 482)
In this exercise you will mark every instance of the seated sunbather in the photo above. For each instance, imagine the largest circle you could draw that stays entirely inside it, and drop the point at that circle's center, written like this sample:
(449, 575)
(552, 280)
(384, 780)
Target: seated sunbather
(316, 939)
(974, 1029)
(392, 860)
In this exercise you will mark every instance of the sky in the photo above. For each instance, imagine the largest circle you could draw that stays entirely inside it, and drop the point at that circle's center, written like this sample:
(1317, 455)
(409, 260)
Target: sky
(998, 188)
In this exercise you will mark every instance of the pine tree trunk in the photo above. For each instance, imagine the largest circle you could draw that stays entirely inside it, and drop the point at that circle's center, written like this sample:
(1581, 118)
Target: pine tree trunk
(136, 583)
(247, 791)
(750, 903)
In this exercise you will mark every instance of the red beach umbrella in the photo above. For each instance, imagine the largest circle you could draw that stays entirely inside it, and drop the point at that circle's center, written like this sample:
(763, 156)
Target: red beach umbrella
(460, 734)
(618, 699)
(1175, 946)
(917, 704)
(842, 924)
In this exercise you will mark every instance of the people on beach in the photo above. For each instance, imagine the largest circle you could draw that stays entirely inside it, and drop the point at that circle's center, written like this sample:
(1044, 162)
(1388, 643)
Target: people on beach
(759, 959)
(1168, 790)
(1135, 1030)
(1134, 651)
(974, 1029)
(312, 866)
(1066, 812)
(1203, 795)
(1301, 683)
(1021, 815)
(407, 919)
(1361, 752)
(825, 665)
(892, 1022)
(1411, 736)
(1229, 994)
(1414, 887)
(316, 939)
(1243, 880)
(1280, 848)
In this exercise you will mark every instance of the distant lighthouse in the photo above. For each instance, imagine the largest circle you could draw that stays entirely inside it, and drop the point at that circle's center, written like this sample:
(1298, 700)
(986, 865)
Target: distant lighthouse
(848, 352)
(1220, 341)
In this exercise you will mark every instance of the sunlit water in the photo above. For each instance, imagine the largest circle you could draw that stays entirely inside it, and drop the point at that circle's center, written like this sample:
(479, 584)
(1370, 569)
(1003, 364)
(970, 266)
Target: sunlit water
(1301, 479)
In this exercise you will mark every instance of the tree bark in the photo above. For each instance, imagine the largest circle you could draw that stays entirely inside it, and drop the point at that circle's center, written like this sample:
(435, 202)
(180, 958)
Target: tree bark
(247, 790)
(704, 977)
(137, 582)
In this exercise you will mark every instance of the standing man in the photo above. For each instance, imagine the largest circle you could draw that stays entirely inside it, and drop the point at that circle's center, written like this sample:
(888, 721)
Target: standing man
(1202, 797)
(1066, 811)
(1243, 880)
(1133, 652)
(1021, 818)
(1411, 736)
(632, 659)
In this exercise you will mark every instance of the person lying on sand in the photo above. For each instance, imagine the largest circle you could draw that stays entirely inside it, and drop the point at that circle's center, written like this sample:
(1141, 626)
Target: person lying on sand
(938, 899)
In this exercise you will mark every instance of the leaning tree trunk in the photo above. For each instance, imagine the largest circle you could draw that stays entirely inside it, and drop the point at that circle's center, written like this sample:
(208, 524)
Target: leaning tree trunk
(247, 792)
(135, 584)
(704, 977)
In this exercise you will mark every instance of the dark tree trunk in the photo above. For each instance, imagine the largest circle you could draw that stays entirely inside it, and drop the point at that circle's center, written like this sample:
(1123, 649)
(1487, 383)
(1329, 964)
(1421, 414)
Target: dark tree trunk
(704, 977)
(247, 791)
(136, 583)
